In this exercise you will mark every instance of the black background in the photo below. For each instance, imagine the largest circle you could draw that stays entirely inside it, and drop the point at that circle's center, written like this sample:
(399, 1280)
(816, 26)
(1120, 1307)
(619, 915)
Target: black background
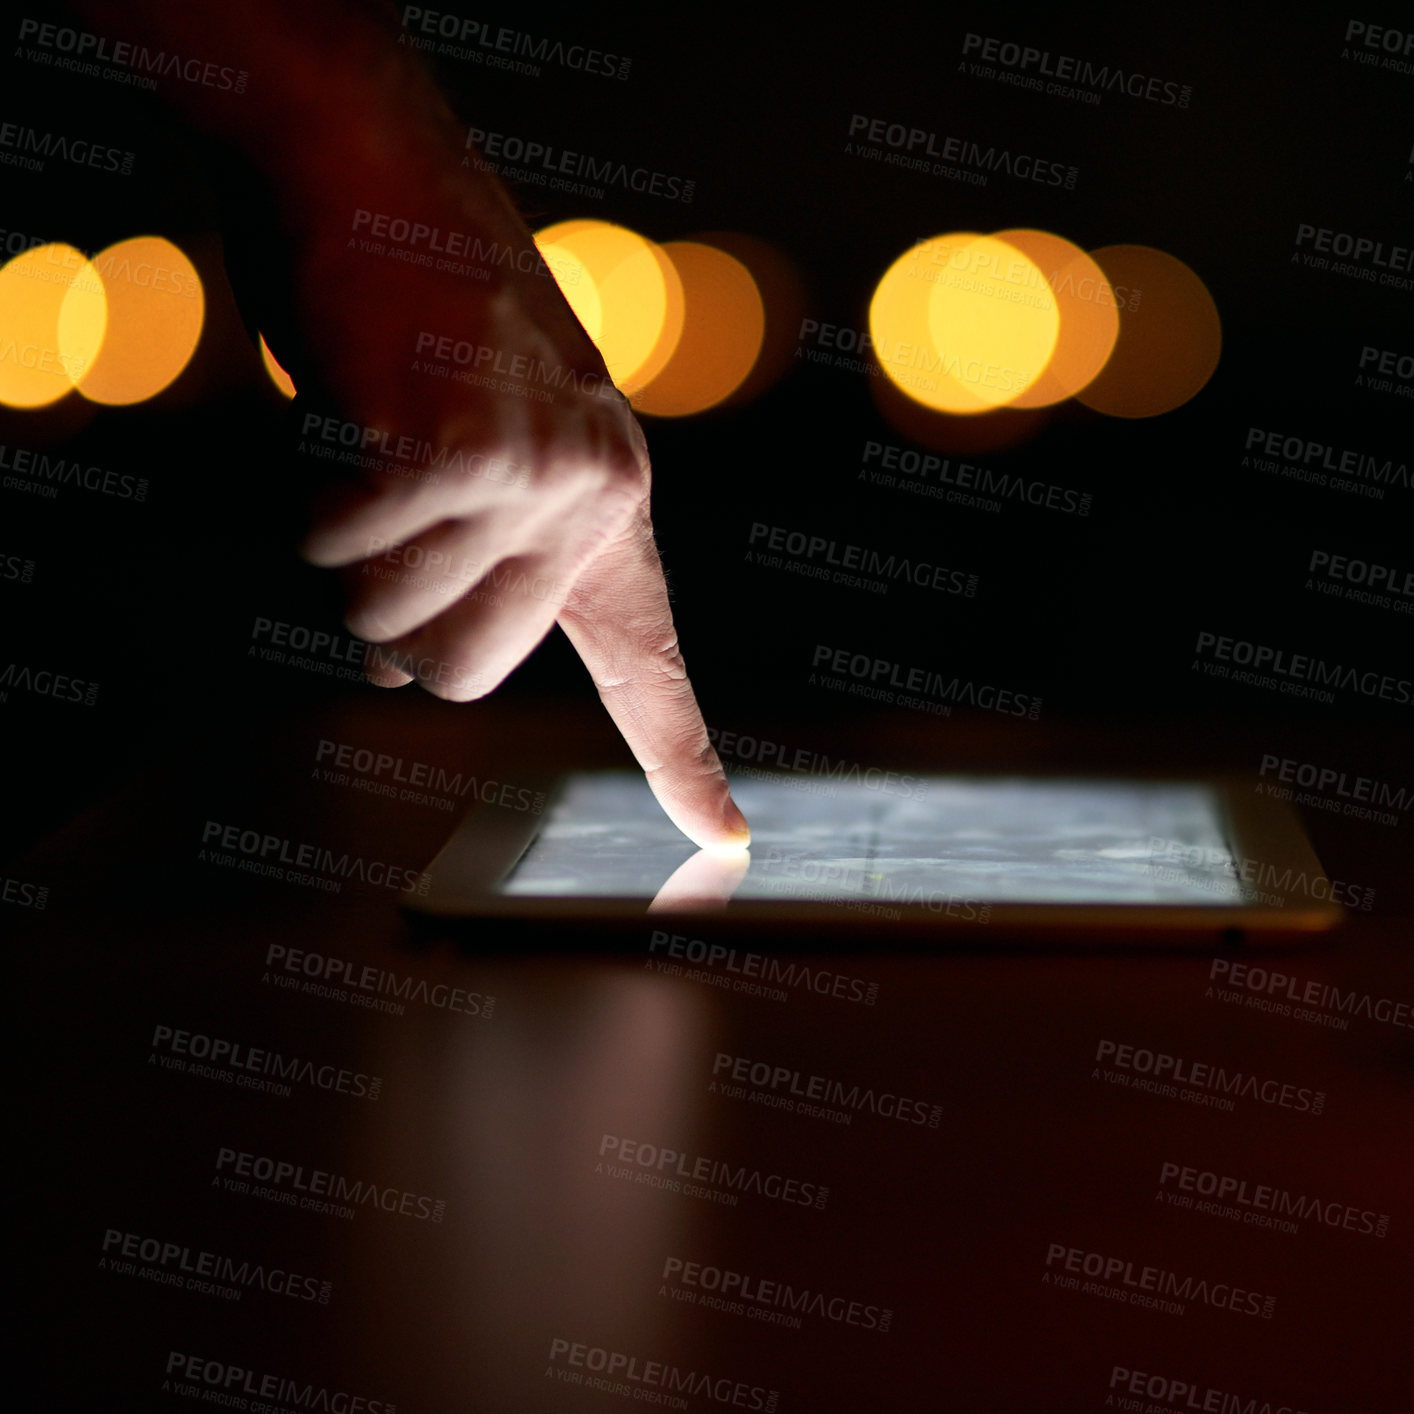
(1095, 616)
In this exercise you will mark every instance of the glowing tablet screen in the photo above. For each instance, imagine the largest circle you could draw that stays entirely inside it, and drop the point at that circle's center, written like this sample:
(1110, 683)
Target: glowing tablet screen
(1000, 840)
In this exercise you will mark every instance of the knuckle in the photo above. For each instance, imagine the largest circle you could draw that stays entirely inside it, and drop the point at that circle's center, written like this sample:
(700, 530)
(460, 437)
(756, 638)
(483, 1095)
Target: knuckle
(699, 766)
(615, 508)
(627, 474)
(654, 656)
(619, 512)
(662, 653)
(614, 467)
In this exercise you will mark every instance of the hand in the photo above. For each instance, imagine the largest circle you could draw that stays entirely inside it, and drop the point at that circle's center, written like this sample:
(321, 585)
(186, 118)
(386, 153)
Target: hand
(532, 494)
(506, 484)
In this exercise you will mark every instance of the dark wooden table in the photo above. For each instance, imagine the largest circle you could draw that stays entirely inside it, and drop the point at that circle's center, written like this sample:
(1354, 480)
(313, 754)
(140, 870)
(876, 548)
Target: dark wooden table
(548, 1206)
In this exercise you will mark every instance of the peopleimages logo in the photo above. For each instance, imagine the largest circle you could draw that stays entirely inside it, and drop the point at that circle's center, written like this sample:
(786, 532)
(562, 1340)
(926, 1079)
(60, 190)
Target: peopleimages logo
(403, 455)
(24, 894)
(864, 675)
(18, 142)
(799, 1092)
(1395, 579)
(375, 988)
(1327, 778)
(1149, 1286)
(632, 1375)
(1298, 674)
(43, 682)
(16, 568)
(86, 52)
(256, 852)
(551, 166)
(919, 150)
(335, 655)
(789, 972)
(1364, 257)
(362, 768)
(776, 1303)
(43, 475)
(210, 1273)
(1263, 1204)
(324, 1191)
(450, 36)
(658, 1166)
(215, 1382)
(1358, 581)
(1212, 867)
(1316, 459)
(517, 372)
(914, 364)
(190, 1052)
(459, 252)
(842, 884)
(1174, 1394)
(1072, 77)
(925, 474)
(1268, 989)
(1162, 1073)
(800, 546)
(1328, 788)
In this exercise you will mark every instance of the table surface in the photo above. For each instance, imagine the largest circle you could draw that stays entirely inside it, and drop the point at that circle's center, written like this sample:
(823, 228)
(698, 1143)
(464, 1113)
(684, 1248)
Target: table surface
(456, 1173)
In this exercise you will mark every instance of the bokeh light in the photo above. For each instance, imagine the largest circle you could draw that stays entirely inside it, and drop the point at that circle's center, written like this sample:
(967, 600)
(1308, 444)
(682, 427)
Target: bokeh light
(994, 319)
(779, 283)
(579, 290)
(637, 289)
(963, 323)
(903, 341)
(1170, 336)
(37, 366)
(724, 321)
(83, 320)
(1025, 319)
(1089, 318)
(156, 307)
(278, 376)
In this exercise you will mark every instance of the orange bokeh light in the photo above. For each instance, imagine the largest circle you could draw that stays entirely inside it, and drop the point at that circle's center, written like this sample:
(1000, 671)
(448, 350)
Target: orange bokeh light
(724, 321)
(43, 353)
(963, 323)
(1089, 319)
(1170, 336)
(623, 289)
(278, 376)
(156, 308)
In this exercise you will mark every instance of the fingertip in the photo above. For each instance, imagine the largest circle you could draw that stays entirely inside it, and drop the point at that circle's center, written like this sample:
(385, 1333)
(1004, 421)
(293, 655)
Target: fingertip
(717, 844)
(725, 849)
(461, 684)
(730, 834)
(315, 550)
(729, 841)
(387, 677)
(735, 824)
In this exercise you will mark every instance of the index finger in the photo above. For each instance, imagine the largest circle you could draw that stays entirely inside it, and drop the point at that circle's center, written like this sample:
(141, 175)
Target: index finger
(618, 618)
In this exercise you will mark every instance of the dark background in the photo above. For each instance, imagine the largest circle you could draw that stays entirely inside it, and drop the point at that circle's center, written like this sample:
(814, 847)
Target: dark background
(1096, 616)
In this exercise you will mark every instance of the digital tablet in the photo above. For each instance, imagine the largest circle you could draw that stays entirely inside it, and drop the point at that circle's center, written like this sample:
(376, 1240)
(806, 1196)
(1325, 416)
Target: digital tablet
(1100, 860)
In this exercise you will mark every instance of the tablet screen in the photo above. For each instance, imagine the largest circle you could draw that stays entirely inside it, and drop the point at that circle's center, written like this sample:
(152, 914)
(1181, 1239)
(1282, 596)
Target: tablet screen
(930, 839)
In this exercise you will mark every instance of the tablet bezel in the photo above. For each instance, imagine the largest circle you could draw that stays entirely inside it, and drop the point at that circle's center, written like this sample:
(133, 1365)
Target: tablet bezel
(488, 842)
